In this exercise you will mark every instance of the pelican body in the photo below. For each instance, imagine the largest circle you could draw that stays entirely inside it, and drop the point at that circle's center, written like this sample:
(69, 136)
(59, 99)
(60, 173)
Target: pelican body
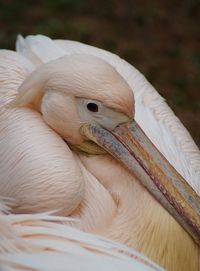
(86, 137)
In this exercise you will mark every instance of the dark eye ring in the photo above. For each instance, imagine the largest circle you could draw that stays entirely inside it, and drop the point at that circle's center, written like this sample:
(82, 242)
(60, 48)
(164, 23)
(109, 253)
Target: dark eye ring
(92, 107)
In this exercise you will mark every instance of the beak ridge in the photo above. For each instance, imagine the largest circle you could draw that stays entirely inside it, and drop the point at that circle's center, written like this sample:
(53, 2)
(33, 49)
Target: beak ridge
(129, 144)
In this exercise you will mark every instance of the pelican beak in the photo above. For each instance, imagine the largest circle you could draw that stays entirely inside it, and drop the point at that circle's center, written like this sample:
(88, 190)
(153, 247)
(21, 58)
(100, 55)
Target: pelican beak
(129, 144)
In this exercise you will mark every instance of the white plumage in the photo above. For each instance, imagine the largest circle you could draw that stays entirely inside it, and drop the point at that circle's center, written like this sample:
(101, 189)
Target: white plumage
(43, 242)
(151, 112)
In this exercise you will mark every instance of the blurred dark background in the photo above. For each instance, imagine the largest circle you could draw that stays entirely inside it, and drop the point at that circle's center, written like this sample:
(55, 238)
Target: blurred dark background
(160, 38)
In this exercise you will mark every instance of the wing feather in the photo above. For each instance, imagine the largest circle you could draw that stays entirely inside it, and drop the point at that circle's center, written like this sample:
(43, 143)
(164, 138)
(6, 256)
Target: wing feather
(13, 70)
(38, 49)
(43, 242)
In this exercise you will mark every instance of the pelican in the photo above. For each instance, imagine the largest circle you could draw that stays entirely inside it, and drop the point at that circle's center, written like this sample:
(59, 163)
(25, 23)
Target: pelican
(85, 138)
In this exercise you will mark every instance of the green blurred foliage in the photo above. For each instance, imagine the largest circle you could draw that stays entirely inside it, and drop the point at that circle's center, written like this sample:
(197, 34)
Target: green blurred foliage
(160, 38)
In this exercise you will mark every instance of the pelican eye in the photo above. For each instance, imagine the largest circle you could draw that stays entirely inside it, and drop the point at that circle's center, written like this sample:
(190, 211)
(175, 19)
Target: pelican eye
(92, 107)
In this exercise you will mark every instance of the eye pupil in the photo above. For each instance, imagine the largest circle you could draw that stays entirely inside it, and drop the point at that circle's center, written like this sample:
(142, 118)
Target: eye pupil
(92, 107)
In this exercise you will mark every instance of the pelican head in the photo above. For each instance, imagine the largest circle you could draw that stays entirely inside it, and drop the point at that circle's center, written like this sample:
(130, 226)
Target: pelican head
(78, 89)
(88, 103)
